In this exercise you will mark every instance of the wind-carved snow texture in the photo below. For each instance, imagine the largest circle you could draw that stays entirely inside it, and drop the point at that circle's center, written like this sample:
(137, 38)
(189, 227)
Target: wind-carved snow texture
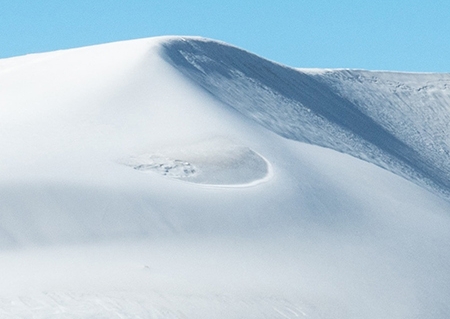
(213, 162)
(151, 306)
(354, 112)
(415, 108)
(164, 166)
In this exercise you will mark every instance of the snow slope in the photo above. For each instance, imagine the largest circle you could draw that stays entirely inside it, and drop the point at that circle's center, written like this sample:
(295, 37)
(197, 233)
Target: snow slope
(185, 178)
(396, 120)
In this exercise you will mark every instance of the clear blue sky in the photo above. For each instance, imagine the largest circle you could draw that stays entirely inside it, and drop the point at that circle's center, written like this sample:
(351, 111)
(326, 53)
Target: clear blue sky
(406, 35)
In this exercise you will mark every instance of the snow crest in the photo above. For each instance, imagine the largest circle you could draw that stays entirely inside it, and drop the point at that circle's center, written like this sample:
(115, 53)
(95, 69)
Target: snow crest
(395, 120)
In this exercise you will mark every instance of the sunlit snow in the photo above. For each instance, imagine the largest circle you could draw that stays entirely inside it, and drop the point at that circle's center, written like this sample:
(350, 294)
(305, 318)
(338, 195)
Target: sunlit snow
(181, 177)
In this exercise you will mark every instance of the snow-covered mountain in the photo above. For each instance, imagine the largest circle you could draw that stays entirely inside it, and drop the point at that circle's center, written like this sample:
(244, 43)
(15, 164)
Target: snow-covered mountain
(180, 177)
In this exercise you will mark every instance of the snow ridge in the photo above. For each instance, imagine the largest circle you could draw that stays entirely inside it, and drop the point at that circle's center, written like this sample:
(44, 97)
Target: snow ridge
(322, 109)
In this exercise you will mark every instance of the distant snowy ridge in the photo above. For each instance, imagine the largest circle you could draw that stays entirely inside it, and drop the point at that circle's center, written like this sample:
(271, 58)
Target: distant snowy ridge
(399, 121)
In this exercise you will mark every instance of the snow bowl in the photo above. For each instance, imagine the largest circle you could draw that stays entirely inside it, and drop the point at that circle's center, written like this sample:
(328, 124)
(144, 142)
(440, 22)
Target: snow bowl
(218, 162)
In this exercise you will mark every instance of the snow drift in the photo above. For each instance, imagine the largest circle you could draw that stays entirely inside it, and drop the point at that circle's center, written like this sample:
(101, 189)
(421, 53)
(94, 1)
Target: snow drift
(185, 178)
(396, 120)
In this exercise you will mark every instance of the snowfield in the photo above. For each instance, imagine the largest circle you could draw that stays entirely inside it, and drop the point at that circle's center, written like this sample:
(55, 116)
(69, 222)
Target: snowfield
(181, 177)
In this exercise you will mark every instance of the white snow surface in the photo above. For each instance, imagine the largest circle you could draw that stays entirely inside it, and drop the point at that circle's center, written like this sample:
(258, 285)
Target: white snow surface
(181, 177)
